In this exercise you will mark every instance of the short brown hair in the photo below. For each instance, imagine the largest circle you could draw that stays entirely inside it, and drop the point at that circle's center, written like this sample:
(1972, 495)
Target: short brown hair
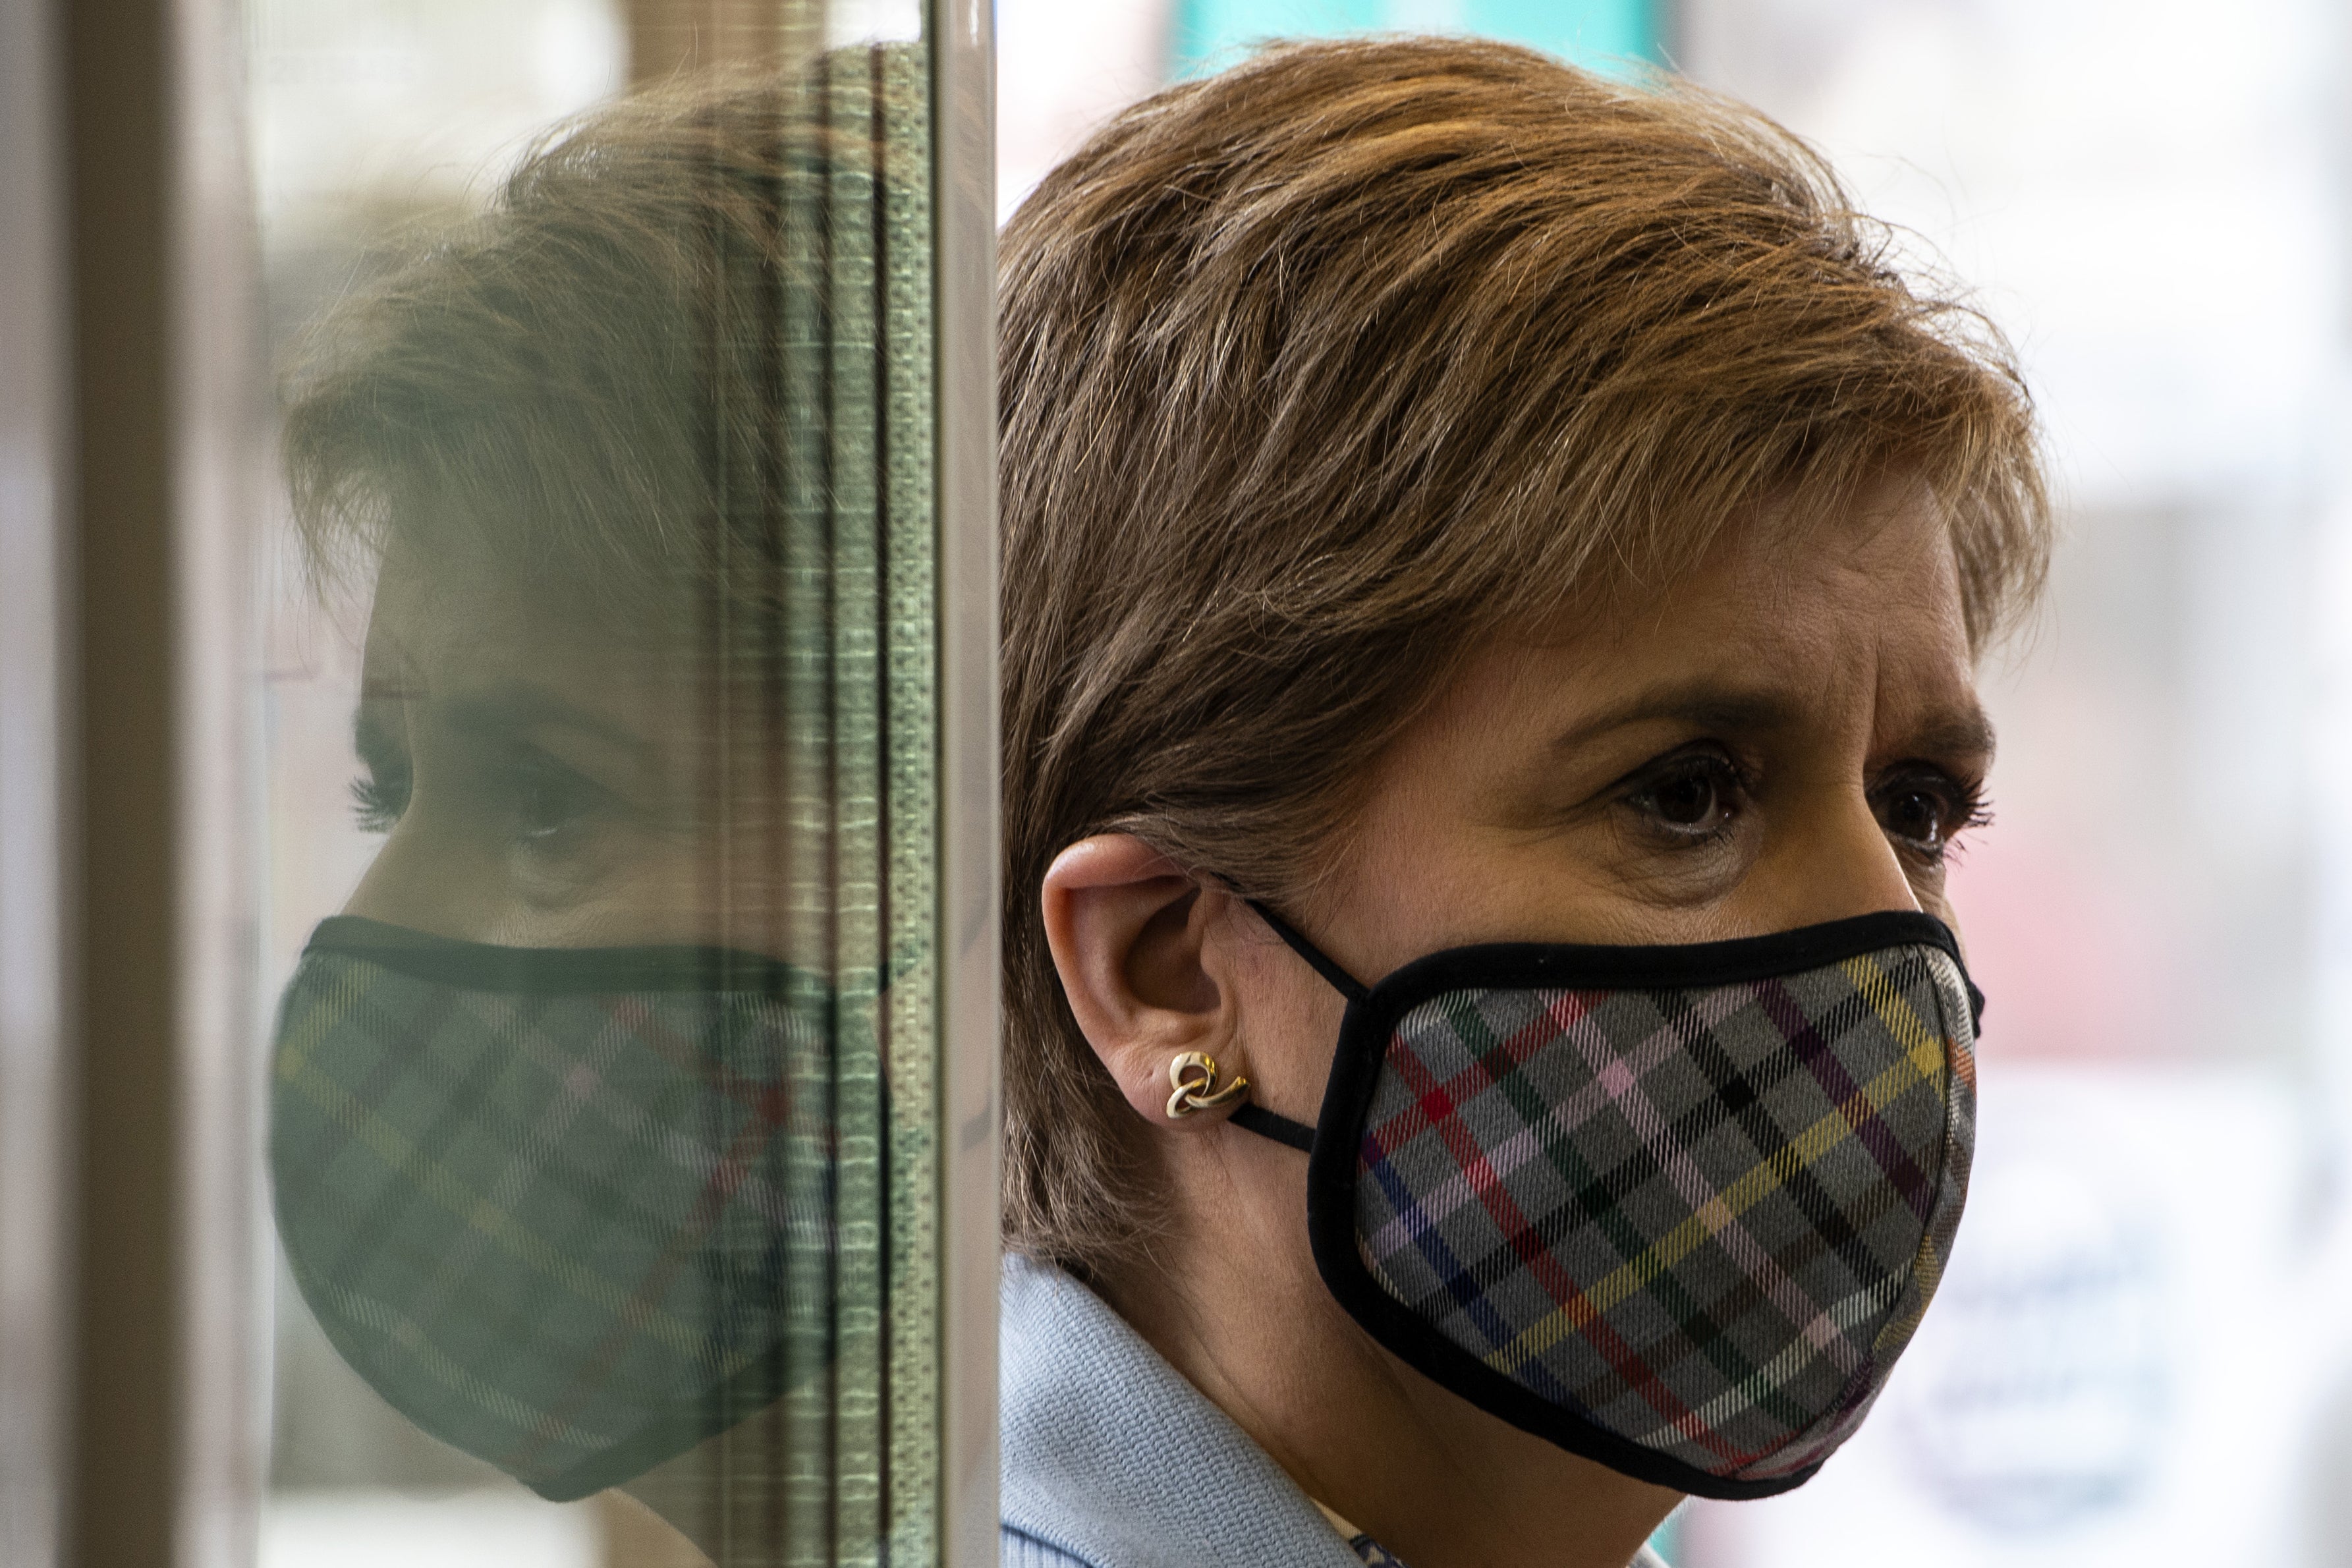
(1318, 372)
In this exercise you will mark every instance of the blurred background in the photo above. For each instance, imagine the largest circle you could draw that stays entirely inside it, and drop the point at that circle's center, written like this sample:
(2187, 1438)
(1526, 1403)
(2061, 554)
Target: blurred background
(2144, 1351)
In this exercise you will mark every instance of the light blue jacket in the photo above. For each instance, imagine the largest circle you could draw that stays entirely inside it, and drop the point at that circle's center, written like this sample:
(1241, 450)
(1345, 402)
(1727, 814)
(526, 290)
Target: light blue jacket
(1111, 1459)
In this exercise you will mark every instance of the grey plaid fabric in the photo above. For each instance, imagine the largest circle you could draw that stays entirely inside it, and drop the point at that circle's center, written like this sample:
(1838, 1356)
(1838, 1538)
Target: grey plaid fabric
(549, 1226)
(1706, 1220)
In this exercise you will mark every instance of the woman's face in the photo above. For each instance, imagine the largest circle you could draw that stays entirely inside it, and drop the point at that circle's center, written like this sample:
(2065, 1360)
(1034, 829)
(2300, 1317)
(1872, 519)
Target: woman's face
(544, 783)
(1787, 734)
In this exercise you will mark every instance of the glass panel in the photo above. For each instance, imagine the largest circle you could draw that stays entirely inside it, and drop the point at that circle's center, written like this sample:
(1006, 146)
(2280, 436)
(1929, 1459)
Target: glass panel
(606, 781)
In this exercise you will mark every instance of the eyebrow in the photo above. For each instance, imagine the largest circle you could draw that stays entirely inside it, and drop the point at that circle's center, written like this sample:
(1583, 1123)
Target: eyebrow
(1966, 730)
(502, 711)
(505, 710)
(373, 742)
(1702, 705)
(1713, 705)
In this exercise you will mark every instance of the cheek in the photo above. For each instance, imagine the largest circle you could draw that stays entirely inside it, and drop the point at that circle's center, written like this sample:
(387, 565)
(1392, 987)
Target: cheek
(1419, 875)
(1933, 900)
(648, 887)
(432, 874)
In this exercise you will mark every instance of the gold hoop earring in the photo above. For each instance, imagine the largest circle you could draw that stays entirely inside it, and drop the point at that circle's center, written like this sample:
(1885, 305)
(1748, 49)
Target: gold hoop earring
(1193, 1077)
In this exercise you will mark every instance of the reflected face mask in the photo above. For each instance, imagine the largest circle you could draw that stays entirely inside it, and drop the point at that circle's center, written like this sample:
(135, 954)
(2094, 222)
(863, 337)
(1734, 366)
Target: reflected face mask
(1676, 1209)
(561, 1208)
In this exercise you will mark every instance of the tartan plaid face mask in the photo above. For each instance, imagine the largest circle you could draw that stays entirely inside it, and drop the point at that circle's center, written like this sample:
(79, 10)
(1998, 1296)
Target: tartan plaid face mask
(1676, 1209)
(558, 1206)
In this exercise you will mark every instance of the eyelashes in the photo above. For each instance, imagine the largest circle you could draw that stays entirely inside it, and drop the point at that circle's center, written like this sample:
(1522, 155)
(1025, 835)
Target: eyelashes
(387, 777)
(378, 798)
(1924, 810)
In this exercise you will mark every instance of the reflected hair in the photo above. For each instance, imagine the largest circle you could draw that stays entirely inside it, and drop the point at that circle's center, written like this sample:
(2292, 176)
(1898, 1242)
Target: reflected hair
(1317, 373)
(617, 380)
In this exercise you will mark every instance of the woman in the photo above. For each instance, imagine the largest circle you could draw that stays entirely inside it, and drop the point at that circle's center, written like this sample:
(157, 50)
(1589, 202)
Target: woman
(1494, 562)
(1494, 567)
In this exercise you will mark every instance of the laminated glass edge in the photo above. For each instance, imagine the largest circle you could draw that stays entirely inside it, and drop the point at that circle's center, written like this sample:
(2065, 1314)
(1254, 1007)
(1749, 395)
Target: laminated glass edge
(908, 407)
(959, 33)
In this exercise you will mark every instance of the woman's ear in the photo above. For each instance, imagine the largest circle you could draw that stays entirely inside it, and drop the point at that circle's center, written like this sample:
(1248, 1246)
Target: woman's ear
(1128, 930)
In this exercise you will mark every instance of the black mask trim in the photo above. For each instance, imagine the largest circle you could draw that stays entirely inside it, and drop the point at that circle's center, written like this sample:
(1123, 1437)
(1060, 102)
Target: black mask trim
(1373, 1016)
(555, 971)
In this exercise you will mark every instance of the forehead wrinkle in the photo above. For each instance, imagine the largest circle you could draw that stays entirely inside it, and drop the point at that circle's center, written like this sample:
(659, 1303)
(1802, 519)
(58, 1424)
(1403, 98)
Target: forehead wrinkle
(1926, 685)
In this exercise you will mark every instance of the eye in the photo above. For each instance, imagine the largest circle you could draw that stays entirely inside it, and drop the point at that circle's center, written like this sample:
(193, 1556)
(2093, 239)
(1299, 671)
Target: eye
(545, 797)
(1694, 794)
(542, 802)
(1926, 809)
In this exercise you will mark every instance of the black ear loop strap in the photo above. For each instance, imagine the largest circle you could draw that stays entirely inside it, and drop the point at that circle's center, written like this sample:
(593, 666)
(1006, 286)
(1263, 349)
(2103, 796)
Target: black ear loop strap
(1345, 983)
(1253, 1117)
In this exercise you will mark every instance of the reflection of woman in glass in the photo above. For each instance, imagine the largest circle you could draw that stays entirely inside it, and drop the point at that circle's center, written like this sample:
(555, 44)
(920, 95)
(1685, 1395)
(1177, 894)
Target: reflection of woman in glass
(1495, 563)
(603, 1112)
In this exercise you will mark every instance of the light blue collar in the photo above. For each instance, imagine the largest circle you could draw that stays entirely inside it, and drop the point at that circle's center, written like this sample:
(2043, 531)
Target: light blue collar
(1111, 1456)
